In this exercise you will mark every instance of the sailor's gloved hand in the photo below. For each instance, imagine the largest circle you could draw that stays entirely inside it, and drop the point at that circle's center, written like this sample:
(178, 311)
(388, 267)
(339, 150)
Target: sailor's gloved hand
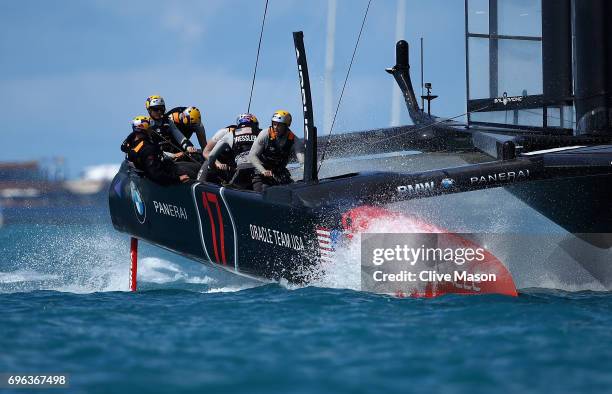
(221, 166)
(197, 156)
(184, 178)
(191, 149)
(178, 155)
(267, 173)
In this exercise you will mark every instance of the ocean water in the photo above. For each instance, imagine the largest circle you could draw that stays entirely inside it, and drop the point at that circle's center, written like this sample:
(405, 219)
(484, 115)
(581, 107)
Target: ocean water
(192, 328)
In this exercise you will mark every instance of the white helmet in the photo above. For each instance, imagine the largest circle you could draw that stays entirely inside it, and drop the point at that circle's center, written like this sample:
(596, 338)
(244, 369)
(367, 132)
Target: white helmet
(155, 101)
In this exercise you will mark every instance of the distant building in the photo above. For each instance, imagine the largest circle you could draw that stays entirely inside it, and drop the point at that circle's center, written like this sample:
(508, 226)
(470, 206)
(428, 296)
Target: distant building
(31, 193)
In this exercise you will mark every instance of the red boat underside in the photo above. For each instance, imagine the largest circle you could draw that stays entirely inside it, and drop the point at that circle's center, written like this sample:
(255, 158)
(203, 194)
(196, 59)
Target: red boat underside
(369, 219)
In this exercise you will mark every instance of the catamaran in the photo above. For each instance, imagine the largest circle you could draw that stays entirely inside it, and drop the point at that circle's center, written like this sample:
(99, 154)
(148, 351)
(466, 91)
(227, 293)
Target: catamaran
(539, 125)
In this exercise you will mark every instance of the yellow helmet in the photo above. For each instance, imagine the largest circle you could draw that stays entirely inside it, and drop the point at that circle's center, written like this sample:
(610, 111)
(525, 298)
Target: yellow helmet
(155, 101)
(191, 116)
(141, 123)
(282, 116)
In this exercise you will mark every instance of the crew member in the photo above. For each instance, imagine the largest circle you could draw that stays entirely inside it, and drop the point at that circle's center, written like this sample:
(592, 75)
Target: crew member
(146, 155)
(271, 150)
(235, 146)
(156, 107)
(174, 139)
(188, 120)
(222, 132)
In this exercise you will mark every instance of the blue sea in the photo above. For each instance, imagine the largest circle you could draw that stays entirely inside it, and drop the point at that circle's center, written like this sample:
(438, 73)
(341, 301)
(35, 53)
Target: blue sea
(194, 329)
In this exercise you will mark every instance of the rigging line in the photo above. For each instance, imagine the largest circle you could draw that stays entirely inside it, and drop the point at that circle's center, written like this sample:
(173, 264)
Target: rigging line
(344, 85)
(446, 120)
(431, 124)
(548, 115)
(555, 107)
(164, 139)
(263, 22)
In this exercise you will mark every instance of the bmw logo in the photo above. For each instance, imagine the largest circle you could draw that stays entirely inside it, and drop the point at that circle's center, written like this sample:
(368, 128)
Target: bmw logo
(447, 183)
(139, 206)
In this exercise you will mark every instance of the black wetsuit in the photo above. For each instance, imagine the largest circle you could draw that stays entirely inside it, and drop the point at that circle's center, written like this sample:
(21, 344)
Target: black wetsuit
(171, 134)
(163, 135)
(186, 130)
(147, 156)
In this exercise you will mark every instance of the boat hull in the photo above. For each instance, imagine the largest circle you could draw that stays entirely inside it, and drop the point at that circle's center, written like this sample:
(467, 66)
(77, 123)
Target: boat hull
(236, 230)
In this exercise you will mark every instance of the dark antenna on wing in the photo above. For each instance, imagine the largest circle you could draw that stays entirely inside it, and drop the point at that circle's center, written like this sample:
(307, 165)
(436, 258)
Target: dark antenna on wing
(428, 97)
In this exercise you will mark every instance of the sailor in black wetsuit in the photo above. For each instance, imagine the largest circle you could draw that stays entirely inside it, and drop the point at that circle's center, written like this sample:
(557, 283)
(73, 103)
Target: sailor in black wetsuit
(147, 156)
(188, 121)
(271, 150)
(228, 161)
(174, 128)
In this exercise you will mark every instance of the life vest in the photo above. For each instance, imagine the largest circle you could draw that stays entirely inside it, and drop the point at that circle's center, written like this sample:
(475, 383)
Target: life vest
(133, 148)
(275, 156)
(244, 138)
(162, 135)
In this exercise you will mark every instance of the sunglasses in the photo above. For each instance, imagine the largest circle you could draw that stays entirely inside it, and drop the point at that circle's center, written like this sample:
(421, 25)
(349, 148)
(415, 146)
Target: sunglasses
(157, 109)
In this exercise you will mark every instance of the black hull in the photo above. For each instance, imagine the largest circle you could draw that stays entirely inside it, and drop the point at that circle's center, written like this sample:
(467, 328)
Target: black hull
(239, 231)
(275, 234)
(582, 205)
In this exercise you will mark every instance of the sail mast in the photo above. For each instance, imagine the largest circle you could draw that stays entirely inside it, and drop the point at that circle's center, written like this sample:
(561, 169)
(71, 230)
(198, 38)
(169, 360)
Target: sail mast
(396, 95)
(329, 65)
(593, 63)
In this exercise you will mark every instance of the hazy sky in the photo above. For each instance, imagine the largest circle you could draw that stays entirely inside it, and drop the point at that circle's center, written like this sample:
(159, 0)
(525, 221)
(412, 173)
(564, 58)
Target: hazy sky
(73, 73)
